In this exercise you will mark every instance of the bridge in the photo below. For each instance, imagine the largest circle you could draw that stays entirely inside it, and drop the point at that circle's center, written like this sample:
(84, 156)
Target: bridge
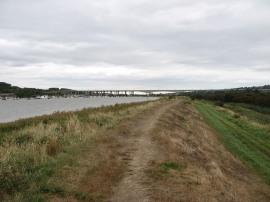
(124, 92)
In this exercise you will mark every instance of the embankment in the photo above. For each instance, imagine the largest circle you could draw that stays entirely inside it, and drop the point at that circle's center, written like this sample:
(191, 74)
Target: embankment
(37, 152)
(153, 151)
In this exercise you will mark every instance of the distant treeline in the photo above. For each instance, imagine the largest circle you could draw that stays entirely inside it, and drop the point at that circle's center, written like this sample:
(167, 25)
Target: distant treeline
(248, 96)
(28, 92)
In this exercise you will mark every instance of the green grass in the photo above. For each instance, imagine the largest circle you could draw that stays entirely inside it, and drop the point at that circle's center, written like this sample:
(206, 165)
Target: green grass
(80, 195)
(161, 171)
(255, 113)
(250, 143)
(263, 110)
(167, 166)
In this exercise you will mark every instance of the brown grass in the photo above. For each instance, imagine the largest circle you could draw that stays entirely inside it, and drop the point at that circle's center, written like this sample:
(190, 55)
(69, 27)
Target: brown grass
(92, 151)
(101, 163)
(208, 172)
(78, 144)
(212, 173)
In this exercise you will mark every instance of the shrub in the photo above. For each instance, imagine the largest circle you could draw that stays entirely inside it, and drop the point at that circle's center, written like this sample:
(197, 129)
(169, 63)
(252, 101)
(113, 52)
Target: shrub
(165, 167)
(52, 146)
(80, 195)
(236, 116)
(23, 139)
(51, 188)
(219, 104)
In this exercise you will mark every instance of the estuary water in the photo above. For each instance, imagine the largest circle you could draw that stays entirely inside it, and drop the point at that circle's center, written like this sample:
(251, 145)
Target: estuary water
(11, 110)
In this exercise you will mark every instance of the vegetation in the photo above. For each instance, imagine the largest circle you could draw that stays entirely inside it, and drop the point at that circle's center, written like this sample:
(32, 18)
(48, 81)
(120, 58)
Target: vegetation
(35, 151)
(167, 166)
(164, 148)
(250, 142)
(29, 92)
(248, 96)
(193, 164)
(258, 114)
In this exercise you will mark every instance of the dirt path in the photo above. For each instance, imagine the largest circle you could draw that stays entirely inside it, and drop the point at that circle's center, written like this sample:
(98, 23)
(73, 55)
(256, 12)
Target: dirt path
(211, 172)
(127, 163)
(141, 149)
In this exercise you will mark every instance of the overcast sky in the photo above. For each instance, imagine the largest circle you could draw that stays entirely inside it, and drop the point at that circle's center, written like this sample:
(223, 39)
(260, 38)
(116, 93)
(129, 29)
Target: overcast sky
(135, 44)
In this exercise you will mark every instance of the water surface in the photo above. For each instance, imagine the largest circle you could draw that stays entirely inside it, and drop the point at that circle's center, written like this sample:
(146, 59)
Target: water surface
(11, 110)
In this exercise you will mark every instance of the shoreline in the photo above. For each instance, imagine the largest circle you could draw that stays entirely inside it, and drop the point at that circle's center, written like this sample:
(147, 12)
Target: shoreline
(21, 109)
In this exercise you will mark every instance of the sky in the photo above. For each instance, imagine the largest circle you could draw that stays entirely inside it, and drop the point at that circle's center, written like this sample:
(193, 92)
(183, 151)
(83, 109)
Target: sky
(135, 44)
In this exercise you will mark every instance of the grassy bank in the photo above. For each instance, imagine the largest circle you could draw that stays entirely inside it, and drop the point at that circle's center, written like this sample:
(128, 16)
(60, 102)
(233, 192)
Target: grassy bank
(249, 141)
(37, 152)
(257, 114)
(194, 165)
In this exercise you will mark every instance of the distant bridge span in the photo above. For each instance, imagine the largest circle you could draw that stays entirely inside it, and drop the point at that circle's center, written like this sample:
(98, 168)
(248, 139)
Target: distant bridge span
(122, 92)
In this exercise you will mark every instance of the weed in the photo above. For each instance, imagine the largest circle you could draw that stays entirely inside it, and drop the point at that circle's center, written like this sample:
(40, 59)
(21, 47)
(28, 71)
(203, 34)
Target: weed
(32, 197)
(101, 120)
(47, 171)
(80, 195)
(12, 181)
(219, 104)
(52, 146)
(160, 171)
(236, 116)
(167, 166)
(53, 189)
(198, 181)
(23, 139)
(260, 115)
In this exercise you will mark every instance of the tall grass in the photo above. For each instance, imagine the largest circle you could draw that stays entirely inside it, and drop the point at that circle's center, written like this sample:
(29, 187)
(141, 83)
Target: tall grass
(250, 143)
(255, 113)
(32, 150)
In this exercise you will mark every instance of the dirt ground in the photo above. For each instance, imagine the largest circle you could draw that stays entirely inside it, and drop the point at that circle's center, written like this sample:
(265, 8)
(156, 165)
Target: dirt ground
(177, 133)
(212, 173)
(142, 150)
(130, 163)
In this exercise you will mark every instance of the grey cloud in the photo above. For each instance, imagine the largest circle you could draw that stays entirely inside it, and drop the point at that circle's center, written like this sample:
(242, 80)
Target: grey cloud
(163, 38)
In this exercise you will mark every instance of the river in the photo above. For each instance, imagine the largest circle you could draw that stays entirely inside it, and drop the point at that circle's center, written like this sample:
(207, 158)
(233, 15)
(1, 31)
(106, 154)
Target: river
(11, 110)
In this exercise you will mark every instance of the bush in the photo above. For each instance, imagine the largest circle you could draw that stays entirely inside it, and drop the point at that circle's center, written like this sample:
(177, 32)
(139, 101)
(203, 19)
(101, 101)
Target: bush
(53, 189)
(80, 195)
(165, 167)
(23, 139)
(52, 146)
(236, 116)
(219, 104)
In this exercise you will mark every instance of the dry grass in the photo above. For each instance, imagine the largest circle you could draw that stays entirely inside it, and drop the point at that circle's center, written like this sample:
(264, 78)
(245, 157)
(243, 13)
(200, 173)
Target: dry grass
(38, 153)
(211, 173)
(103, 163)
(83, 156)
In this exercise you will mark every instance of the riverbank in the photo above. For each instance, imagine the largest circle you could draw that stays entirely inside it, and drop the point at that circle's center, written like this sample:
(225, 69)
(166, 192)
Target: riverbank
(155, 151)
(35, 150)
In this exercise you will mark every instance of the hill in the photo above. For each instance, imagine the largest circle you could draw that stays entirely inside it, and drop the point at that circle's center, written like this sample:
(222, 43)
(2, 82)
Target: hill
(29, 92)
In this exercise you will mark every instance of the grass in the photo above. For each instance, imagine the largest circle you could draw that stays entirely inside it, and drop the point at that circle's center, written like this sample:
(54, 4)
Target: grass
(165, 170)
(249, 142)
(167, 166)
(34, 151)
(258, 114)
(80, 195)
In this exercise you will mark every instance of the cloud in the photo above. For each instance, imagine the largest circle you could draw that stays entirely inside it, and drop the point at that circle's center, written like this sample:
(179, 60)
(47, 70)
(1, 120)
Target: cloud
(136, 44)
